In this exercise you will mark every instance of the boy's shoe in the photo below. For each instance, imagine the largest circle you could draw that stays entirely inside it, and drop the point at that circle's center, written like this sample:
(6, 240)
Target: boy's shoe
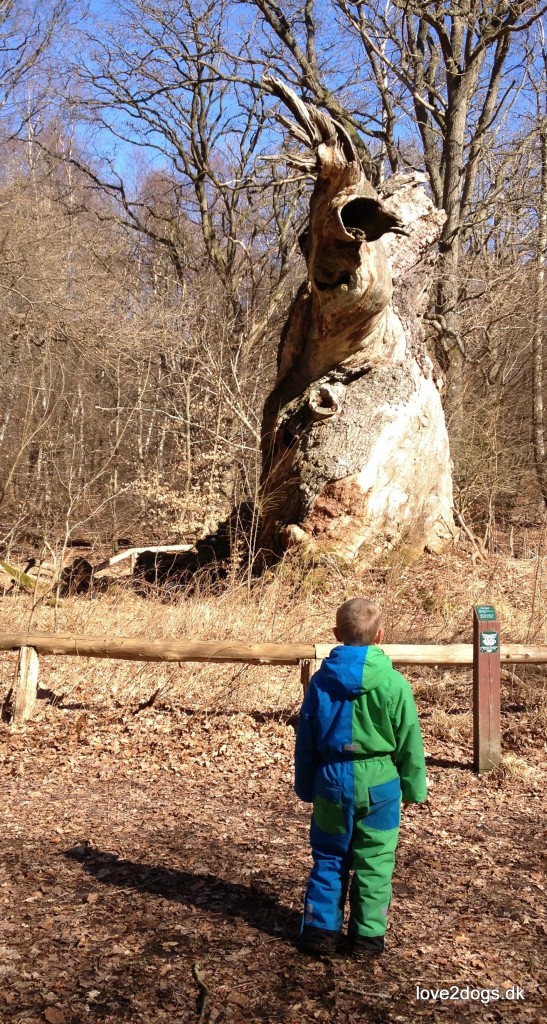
(318, 941)
(361, 948)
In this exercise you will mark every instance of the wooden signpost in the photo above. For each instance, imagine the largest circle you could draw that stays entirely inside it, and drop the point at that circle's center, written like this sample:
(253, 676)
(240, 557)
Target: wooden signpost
(486, 688)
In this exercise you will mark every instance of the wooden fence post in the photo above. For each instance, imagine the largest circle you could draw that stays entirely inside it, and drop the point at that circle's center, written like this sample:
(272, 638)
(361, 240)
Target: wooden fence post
(486, 689)
(26, 686)
(307, 667)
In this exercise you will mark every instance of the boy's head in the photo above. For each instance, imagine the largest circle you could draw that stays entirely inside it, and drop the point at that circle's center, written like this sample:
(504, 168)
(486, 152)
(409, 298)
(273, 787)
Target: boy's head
(358, 623)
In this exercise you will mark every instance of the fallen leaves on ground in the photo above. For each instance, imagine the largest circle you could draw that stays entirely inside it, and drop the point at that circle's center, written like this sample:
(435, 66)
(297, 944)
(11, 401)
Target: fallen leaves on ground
(153, 869)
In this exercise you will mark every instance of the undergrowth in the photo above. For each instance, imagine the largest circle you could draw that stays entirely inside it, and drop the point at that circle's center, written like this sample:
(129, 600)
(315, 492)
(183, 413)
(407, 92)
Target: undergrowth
(429, 602)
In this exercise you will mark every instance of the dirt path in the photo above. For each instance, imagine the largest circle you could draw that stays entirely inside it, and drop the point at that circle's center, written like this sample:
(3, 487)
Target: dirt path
(152, 869)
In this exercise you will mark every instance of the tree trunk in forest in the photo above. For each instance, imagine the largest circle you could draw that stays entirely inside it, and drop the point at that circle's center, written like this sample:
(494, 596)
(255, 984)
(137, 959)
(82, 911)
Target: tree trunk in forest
(450, 353)
(355, 456)
(538, 341)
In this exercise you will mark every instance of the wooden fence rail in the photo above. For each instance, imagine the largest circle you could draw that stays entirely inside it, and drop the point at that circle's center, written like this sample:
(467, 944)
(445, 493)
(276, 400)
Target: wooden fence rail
(137, 649)
(485, 654)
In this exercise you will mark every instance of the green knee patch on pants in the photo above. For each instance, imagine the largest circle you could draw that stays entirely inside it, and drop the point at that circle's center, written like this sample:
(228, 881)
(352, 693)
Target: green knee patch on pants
(328, 812)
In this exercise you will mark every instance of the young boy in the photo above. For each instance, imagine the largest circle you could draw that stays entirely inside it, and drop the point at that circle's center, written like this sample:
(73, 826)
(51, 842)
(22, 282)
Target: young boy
(358, 751)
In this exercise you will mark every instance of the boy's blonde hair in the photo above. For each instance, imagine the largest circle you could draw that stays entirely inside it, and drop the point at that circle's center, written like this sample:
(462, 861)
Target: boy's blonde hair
(358, 621)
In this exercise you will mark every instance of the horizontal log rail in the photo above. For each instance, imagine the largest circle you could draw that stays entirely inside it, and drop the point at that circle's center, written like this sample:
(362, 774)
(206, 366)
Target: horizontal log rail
(137, 649)
(486, 654)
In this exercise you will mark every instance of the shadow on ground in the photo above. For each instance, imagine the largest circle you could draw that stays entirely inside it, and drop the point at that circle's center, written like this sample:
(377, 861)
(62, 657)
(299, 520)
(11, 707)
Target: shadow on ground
(444, 762)
(230, 900)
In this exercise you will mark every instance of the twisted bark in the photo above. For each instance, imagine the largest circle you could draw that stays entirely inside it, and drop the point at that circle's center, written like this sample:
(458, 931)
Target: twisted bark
(355, 455)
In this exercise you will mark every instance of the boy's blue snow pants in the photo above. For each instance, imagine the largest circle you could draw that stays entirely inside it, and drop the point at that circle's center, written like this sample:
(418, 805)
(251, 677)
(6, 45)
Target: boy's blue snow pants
(355, 826)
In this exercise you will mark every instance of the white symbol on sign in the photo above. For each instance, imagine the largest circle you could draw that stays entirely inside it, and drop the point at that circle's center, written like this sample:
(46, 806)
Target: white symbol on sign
(489, 639)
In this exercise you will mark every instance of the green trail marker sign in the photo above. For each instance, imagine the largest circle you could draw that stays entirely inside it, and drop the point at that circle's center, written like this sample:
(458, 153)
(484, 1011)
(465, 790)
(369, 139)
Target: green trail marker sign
(486, 688)
(485, 612)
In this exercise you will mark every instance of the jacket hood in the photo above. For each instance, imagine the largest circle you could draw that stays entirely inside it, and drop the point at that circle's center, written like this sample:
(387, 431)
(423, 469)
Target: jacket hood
(350, 671)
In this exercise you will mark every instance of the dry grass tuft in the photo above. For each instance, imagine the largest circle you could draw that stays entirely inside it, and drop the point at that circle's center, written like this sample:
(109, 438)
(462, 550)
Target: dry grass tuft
(514, 767)
(456, 727)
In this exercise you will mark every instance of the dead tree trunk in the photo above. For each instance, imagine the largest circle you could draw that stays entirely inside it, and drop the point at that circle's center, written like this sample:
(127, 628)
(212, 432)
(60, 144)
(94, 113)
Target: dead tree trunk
(355, 455)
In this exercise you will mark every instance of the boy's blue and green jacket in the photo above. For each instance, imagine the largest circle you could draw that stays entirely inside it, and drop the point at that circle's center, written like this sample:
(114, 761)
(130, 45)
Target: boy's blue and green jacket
(357, 707)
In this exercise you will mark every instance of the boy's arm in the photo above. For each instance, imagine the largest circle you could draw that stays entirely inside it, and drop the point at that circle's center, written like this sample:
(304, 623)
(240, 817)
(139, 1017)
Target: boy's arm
(409, 750)
(305, 752)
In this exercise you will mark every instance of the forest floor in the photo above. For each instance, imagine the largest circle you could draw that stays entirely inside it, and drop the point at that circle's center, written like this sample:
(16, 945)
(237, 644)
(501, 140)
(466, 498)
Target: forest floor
(154, 858)
(153, 867)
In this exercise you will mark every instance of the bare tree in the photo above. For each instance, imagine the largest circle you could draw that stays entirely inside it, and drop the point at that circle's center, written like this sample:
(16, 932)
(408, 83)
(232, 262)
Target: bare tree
(539, 346)
(355, 451)
(160, 79)
(27, 32)
(445, 76)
